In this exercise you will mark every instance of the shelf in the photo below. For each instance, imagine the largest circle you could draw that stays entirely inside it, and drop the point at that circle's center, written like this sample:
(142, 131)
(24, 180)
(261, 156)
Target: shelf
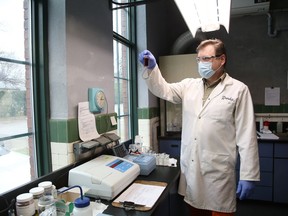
(272, 117)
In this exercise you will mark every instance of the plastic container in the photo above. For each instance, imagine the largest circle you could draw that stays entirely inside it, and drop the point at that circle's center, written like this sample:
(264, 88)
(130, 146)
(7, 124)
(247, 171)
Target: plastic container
(37, 193)
(261, 125)
(25, 204)
(139, 143)
(82, 207)
(279, 127)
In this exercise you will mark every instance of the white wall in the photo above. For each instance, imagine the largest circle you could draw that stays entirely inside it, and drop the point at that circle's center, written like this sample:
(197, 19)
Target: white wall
(80, 53)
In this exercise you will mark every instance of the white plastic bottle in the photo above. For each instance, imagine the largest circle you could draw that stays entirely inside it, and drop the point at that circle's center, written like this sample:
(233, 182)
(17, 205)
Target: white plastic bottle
(279, 127)
(82, 207)
(139, 143)
(261, 125)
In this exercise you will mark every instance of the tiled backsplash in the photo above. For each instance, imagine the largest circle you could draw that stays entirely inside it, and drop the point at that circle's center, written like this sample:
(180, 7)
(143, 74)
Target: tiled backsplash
(148, 123)
(64, 133)
(260, 108)
(66, 130)
(273, 114)
(148, 113)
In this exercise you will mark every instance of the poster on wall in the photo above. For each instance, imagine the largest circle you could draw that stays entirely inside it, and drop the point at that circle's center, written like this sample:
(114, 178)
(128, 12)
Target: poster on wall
(272, 96)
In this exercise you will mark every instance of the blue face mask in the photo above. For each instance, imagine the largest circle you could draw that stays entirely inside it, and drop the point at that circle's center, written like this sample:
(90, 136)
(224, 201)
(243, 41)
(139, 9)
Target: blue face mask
(205, 69)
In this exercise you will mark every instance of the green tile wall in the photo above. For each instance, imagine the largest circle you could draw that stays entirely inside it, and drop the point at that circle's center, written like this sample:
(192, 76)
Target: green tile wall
(260, 108)
(148, 113)
(66, 130)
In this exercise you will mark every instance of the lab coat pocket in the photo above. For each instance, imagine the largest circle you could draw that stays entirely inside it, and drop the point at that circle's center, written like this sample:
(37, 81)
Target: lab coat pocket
(214, 165)
(222, 110)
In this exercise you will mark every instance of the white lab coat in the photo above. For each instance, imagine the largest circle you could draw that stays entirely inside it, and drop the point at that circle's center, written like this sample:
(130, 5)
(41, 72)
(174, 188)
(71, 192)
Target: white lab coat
(212, 134)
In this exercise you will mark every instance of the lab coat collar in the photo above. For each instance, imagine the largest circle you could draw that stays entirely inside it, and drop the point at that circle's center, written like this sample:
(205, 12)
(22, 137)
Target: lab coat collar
(219, 89)
(216, 82)
(227, 80)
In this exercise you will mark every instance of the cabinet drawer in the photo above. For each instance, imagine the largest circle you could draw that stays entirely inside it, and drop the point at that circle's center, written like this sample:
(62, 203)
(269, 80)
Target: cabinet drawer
(266, 179)
(281, 150)
(266, 164)
(171, 147)
(280, 180)
(262, 193)
(265, 149)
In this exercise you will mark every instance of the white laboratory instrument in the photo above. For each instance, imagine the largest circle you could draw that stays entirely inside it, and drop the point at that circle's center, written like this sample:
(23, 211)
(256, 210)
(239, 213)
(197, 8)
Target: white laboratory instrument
(147, 163)
(105, 176)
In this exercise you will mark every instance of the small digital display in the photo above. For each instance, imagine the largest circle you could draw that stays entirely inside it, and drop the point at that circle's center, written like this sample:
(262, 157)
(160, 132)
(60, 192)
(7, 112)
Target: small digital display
(120, 165)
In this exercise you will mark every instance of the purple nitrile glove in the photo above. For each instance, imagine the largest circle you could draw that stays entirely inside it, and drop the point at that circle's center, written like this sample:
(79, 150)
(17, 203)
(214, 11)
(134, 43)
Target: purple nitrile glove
(147, 59)
(245, 189)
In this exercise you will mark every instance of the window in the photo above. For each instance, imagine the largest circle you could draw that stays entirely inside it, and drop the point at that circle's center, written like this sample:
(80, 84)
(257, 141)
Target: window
(124, 49)
(122, 89)
(17, 146)
(18, 161)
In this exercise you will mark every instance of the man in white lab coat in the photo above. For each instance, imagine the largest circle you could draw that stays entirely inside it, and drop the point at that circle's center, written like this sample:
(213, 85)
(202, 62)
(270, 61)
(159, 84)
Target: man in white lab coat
(218, 122)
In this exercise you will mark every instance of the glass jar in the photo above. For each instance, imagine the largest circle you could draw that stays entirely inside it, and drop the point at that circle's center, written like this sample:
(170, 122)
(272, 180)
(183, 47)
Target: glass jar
(49, 188)
(47, 185)
(25, 204)
(37, 193)
(47, 206)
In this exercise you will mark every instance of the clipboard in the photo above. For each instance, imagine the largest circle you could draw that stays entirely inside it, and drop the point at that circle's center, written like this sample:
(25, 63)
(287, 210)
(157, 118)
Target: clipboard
(129, 199)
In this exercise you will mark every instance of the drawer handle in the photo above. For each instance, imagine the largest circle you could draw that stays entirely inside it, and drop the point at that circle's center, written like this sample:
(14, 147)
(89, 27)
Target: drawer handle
(174, 146)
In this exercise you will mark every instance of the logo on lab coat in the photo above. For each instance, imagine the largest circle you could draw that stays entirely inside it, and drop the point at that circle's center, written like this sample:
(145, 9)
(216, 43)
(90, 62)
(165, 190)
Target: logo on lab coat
(228, 98)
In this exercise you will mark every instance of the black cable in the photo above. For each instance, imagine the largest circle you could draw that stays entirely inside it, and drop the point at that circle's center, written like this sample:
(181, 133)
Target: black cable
(9, 206)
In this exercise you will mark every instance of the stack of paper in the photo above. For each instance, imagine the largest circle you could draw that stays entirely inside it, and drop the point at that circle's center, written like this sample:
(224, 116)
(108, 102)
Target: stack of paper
(267, 136)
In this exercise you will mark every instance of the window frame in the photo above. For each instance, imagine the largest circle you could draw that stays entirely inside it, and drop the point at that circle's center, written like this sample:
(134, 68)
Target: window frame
(40, 75)
(42, 161)
(131, 44)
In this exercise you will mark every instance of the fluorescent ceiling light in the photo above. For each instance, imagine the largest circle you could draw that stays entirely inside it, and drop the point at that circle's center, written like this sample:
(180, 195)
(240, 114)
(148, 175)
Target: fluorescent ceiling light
(205, 14)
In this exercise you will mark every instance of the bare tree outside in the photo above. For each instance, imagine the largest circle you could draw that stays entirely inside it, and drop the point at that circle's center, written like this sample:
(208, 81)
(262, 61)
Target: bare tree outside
(12, 88)
(10, 74)
(17, 148)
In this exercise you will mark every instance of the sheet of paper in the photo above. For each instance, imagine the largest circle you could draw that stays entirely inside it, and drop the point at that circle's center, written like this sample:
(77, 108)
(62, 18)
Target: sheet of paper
(267, 136)
(272, 96)
(141, 194)
(113, 120)
(86, 123)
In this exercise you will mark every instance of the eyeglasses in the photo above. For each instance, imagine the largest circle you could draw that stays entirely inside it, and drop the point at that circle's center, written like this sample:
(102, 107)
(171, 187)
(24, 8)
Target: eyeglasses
(206, 58)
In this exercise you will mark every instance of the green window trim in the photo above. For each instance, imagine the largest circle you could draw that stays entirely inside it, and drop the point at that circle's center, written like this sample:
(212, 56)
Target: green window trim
(39, 14)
